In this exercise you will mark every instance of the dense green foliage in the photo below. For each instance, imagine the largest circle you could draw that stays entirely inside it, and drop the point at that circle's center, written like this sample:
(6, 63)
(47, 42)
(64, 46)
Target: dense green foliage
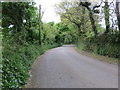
(106, 47)
(66, 33)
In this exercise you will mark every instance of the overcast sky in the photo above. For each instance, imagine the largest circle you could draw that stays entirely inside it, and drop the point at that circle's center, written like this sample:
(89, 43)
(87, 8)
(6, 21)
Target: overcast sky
(48, 6)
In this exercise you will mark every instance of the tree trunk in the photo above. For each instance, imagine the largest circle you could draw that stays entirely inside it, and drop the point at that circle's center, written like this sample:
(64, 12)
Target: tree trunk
(30, 32)
(83, 19)
(87, 4)
(118, 13)
(40, 25)
(107, 15)
(93, 22)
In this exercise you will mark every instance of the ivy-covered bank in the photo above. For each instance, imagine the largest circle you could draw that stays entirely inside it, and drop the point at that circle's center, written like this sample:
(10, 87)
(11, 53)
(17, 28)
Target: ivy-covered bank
(18, 61)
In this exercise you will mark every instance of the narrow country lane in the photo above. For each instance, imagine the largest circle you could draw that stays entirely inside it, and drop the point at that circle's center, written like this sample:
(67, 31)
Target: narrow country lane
(63, 67)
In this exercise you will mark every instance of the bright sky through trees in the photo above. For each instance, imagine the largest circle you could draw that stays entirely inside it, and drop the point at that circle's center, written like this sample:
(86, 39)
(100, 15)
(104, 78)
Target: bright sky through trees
(49, 11)
(48, 7)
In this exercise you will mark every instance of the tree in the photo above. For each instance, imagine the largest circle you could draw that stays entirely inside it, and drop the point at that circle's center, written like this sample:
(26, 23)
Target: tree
(118, 13)
(91, 12)
(22, 18)
(83, 18)
(30, 17)
(107, 15)
(13, 18)
(71, 12)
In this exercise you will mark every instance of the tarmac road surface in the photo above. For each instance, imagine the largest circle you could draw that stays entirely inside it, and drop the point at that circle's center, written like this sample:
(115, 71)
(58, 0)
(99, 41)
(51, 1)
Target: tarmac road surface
(63, 67)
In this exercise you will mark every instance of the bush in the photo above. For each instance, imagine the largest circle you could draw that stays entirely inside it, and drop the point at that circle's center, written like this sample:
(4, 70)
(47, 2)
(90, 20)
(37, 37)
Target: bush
(106, 46)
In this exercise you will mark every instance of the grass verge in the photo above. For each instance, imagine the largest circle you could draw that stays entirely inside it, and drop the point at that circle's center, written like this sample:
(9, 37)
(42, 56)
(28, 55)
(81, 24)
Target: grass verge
(98, 57)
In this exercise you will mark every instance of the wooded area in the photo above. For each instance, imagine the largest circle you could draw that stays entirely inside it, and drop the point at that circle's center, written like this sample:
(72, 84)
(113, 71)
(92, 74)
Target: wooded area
(85, 18)
(25, 36)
